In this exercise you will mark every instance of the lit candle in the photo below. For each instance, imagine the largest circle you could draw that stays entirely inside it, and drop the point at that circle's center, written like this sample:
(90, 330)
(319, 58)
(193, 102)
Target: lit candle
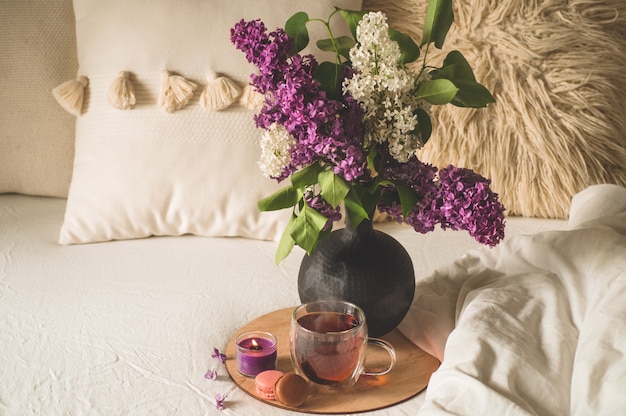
(256, 352)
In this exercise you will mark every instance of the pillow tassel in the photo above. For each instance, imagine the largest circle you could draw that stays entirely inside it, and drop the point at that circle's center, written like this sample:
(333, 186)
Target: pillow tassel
(122, 92)
(219, 93)
(251, 98)
(176, 91)
(71, 94)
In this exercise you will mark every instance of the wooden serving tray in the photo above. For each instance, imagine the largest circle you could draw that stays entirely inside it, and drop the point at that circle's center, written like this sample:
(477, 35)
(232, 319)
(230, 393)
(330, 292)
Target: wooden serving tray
(409, 376)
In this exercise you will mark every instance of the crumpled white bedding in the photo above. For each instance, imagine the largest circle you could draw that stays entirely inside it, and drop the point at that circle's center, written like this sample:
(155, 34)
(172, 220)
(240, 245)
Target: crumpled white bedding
(128, 327)
(536, 326)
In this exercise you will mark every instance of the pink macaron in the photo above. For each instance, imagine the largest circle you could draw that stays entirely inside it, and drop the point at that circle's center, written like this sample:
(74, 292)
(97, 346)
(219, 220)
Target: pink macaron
(265, 382)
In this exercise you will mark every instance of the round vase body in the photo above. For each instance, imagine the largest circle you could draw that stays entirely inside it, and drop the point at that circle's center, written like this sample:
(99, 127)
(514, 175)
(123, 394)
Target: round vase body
(366, 267)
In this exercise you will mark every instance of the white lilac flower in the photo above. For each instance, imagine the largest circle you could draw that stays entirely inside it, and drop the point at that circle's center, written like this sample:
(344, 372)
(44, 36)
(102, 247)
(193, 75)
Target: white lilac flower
(276, 144)
(375, 59)
(383, 88)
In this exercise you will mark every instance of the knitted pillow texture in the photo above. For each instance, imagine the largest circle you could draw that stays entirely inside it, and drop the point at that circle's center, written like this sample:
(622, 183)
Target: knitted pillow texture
(557, 69)
(38, 44)
(159, 169)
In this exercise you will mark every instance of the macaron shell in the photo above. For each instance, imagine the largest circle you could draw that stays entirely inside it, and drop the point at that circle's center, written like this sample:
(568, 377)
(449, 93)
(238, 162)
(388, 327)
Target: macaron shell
(265, 382)
(291, 390)
(265, 395)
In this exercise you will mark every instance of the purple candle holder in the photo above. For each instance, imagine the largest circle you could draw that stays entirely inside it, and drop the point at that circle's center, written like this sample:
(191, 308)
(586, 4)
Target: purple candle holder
(256, 352)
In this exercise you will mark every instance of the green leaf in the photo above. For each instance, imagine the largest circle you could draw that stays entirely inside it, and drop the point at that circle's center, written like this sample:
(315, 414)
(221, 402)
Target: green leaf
(439, 18)
(354, 208)
(437, 91)
(370, 199)
(283, 198)
(334, 188)
(286, 243)
(328, 75)
(352, 18)
(343, 44)
(307, 228)
(472, 95)
(361, 202)
(408, 198)
(456, 69)
(409, 51)
(295, 28)
(424, 124)
(306, 176)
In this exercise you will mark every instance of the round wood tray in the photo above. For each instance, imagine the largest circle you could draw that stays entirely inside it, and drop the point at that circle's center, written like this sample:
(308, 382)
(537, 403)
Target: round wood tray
(409, 376)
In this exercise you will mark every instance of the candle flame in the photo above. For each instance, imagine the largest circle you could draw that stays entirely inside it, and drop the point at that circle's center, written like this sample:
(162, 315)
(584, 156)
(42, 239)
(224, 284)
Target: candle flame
(255, 345)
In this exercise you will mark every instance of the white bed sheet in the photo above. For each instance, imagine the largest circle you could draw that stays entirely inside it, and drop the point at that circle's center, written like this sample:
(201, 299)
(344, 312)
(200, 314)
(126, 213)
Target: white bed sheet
(128, 327)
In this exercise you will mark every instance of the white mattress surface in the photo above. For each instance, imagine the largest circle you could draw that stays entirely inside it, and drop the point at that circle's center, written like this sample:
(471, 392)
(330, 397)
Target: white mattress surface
(128, 327)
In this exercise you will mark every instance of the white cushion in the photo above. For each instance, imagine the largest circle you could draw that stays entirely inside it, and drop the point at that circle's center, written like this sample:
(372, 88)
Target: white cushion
(144, 171)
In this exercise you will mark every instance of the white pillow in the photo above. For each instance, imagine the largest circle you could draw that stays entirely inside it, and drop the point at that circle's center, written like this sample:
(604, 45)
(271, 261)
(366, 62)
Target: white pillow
(144, 171)
(596, 202)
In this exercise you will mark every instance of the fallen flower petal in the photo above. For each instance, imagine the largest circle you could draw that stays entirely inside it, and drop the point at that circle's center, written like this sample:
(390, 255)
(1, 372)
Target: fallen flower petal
(219, 401)
(220, 356)
(211, 374)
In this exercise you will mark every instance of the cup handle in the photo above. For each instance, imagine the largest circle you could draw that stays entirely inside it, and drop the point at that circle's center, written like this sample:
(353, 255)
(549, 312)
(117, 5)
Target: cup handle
(390, 350)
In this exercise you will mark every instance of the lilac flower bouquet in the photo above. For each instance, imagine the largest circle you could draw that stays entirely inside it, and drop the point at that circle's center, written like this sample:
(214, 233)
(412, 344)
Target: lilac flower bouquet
(345, 132)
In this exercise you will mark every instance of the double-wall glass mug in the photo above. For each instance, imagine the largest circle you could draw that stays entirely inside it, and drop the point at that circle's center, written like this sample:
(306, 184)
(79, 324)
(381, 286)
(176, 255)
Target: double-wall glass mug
(328, 342)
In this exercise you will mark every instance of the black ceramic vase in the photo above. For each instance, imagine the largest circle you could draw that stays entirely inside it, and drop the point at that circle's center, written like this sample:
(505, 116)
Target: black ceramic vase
(364, 266)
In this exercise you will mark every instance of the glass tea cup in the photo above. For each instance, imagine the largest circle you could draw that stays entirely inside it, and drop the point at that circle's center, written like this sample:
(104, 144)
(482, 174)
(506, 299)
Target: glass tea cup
(328, 341)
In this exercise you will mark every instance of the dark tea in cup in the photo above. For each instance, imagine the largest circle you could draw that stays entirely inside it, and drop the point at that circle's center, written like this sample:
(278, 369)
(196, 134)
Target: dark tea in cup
(328, 341)
(330, 359)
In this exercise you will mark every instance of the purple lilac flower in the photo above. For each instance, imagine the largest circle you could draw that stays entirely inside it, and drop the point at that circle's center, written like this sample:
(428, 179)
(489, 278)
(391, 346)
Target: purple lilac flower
(418, 175)
(460, 200)
(261, 49)
(467, 203)
(325, 129)
(421, 178)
